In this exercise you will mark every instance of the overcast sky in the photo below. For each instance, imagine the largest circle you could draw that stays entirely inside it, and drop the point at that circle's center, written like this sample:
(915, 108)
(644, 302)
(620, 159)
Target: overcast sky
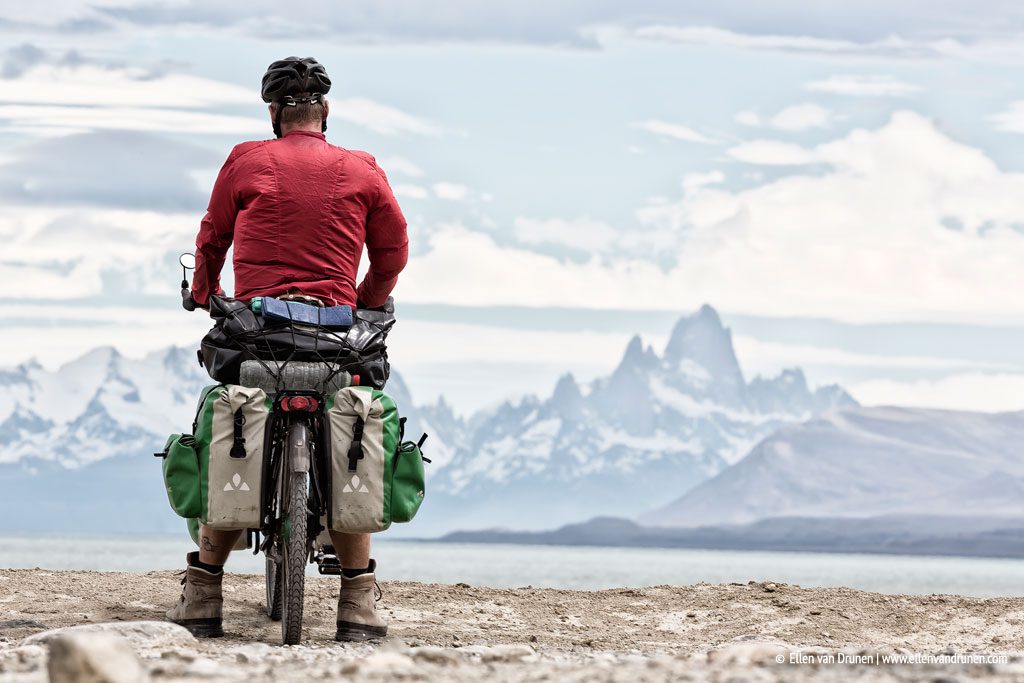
(843, 183)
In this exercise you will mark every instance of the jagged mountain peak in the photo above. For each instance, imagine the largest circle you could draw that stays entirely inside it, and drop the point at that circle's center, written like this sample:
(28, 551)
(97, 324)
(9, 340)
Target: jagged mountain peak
(567, 400)
(637, 357)
(701, 326)
(700, 359)
(566, 390)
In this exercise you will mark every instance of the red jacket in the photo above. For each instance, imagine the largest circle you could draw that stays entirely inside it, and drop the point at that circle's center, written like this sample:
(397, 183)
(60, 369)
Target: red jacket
(299, 211)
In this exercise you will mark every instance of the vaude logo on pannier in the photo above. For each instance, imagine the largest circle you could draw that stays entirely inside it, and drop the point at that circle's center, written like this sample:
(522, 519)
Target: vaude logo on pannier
(355, 486)
(236, 484)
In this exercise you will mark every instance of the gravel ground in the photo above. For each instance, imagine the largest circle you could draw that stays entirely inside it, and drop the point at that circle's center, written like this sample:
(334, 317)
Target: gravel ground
(464, 633)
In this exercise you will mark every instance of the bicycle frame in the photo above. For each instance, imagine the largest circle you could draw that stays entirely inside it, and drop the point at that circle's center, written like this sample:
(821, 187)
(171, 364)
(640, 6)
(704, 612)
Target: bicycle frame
(282, 457)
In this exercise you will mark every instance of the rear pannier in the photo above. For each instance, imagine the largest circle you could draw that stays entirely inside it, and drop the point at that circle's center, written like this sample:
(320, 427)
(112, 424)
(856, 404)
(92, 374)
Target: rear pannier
(215, 474)
(376, 478)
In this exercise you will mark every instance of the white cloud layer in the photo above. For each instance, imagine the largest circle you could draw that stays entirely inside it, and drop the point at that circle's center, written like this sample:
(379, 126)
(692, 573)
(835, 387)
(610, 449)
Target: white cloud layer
(771, 153)
(800, 117)
(453, 192)
(991, 392)
(904, 223)
(67, 253)
(81, 96)
(1010, 120)
(993, 46)
(409, 191)
(792, 119)
(583, 234)
(874, 85)
(401, 166)
(675, 131)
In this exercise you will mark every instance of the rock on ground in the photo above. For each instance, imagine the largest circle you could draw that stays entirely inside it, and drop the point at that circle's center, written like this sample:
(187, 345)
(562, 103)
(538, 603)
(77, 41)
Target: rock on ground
(93, 657)
(463, 633)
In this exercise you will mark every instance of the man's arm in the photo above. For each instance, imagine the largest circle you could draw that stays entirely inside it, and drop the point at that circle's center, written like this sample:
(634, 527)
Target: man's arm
(387, 244)
(214, 238)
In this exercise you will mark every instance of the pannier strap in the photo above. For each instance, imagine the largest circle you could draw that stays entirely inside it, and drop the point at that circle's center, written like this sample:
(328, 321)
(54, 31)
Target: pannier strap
(238, 447)
(355, 449)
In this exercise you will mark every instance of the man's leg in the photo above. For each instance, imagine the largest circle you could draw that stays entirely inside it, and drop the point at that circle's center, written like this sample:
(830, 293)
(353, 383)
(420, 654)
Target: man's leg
(201, 604)
(357, 604)
(353, 551)
(215, 545)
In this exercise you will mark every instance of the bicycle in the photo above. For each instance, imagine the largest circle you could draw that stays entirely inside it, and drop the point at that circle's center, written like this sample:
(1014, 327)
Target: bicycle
(295, 476)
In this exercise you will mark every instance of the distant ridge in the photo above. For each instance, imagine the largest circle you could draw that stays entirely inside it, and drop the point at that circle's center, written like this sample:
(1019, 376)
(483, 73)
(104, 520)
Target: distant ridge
(886, 535)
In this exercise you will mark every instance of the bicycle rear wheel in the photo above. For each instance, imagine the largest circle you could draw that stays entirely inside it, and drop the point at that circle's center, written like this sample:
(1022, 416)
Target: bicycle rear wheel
(295, 545)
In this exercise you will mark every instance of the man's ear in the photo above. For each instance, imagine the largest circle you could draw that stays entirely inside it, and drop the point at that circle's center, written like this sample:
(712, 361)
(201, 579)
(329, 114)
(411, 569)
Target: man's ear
(270, 109)
(327, 108)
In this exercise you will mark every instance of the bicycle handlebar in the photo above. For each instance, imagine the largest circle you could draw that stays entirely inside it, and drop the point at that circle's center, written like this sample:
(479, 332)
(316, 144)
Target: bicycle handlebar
(187, 302)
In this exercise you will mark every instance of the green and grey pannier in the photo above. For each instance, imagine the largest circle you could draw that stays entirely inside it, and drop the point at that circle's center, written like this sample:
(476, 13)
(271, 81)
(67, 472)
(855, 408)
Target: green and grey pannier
(376, 478)
(215, 474)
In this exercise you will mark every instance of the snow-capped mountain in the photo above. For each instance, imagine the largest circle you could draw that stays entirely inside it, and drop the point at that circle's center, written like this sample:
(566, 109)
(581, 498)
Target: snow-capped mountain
(623, 444)
(864, 462)
(75, 443)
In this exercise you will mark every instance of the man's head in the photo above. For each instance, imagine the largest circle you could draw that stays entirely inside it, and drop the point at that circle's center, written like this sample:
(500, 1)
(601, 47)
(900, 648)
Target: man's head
(295, 88)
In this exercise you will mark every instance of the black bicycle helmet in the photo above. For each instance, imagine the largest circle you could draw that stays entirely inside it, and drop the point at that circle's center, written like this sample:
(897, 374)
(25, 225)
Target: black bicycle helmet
(293, 80)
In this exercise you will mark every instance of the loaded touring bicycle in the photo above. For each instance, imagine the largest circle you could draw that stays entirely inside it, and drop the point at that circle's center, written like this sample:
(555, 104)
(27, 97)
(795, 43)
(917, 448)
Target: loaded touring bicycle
(295, 438)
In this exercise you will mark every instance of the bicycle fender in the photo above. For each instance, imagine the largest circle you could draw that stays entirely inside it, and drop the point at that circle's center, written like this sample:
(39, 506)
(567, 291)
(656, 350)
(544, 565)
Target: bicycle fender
(298, 448)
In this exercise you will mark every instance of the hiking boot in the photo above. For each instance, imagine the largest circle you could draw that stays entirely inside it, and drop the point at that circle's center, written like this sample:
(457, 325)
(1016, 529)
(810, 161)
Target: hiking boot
(199, 609)
(357, 608)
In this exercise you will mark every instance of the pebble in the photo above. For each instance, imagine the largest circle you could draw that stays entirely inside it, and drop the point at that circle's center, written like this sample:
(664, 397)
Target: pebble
(381, 664)
(748, 653)
(93, 657)
(436, 655)
(506, 653)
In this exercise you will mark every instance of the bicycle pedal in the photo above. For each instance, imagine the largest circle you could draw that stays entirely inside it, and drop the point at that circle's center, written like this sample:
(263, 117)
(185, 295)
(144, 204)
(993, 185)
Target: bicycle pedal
(329, 566)
(327, 562)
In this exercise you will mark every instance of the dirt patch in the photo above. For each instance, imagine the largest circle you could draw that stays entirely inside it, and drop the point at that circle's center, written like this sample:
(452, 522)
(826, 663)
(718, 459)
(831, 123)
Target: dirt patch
(711, 632)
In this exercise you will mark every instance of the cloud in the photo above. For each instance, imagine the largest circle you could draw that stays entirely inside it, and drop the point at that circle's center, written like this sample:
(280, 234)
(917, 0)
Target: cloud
(876, 85)
(454, 192)
(995, 45)
(47, 120)
(794, 118)
(87, 84)
(81, 96)
(800, 117)
(771, 153)
(108, 168)
(582, 234)
(897, 223)
(769, 358)
(675, 131)
(19, 59)
(380, 118)
(400, 165)
(718, 37)
(912, 28)
(984, 391)
(410, 191)
(1011, 120)
(76, 253)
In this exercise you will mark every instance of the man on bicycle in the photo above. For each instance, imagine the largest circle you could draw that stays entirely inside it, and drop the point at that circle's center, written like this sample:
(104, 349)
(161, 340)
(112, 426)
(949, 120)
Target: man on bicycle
(298, 211)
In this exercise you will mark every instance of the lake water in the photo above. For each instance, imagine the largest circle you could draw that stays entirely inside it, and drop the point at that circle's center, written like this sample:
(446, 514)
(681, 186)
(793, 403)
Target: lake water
(506, 566)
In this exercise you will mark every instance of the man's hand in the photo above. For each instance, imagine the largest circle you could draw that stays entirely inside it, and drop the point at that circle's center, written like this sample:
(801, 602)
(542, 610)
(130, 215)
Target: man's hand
(189, 304)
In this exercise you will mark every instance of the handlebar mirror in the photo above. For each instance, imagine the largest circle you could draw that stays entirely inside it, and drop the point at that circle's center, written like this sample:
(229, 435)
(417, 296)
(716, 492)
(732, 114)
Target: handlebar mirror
(187, 261)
